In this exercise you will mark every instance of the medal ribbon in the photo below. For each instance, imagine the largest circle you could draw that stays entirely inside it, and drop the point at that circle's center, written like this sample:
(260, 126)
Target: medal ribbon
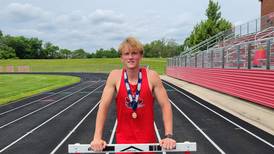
(133, 100)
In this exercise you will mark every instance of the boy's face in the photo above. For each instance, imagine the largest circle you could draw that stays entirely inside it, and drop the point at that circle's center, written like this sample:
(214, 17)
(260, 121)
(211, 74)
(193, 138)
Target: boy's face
(130, 57)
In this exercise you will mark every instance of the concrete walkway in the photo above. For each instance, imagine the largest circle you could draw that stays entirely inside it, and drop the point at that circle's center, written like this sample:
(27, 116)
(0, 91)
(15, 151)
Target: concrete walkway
(257, 115)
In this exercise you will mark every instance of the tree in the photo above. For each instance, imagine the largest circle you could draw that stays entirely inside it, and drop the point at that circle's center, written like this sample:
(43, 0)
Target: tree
(208, 28)
(101, 53)
(213, 12)
(50, 50)
(20, 45)
(154, 48)
(7, 52)
(65, 53)
(162, 48)
(35, 47)
(79, 54)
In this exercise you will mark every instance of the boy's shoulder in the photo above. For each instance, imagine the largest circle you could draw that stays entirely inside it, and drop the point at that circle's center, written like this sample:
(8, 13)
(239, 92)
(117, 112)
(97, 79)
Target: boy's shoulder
(152, 74)
(115, 74)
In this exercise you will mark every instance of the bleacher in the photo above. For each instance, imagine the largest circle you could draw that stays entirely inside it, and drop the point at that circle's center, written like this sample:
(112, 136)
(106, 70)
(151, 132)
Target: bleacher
(238, 62)
(234, 48)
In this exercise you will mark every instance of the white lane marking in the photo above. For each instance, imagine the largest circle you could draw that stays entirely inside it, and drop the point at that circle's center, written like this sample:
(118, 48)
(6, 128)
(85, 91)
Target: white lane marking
(158, 134)
(36, 100)
(112, 134)
(73, 130)
(34, 129)
(11, 122)
(237, 125)
(198, 128)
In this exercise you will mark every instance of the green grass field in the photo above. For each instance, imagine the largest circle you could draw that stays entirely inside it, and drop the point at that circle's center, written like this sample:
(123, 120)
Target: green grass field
(14, 87)
(80, 65)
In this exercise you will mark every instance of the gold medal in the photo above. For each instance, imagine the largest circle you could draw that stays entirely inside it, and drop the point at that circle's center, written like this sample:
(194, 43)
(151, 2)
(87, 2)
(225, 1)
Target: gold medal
(134, 115)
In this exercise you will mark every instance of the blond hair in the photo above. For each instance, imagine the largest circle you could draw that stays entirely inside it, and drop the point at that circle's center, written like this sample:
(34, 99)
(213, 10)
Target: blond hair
(133, 43)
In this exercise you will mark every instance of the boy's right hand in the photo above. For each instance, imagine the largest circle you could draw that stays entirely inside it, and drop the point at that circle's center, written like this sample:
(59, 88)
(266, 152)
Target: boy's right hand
(98, 144)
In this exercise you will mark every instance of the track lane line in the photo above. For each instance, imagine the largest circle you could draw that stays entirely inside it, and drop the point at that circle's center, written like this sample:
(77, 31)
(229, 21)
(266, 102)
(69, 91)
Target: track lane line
(112, 134)
(34, 129)
(16, 108)
(228, 120)
(158, 134)
(73, 130)
(198, 128)
(26, 115)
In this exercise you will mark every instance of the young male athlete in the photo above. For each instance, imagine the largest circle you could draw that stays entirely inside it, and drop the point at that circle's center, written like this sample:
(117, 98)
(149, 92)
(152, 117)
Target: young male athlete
(135, 89)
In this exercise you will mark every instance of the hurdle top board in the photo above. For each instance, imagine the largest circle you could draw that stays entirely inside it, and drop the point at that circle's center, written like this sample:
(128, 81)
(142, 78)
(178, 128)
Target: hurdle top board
(113, 148)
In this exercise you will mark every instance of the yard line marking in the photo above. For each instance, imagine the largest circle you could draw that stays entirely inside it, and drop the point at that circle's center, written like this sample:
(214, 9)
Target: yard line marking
(34, 129)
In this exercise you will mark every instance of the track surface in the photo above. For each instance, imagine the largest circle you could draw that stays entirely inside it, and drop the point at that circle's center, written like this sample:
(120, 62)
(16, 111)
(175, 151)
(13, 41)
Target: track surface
(48, 122)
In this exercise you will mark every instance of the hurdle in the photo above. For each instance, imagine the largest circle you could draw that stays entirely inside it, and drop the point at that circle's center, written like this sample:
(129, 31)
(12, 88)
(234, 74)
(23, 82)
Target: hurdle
(186, 147)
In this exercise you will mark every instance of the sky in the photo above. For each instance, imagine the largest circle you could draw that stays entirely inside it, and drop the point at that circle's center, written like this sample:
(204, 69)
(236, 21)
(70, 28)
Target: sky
(95, 24)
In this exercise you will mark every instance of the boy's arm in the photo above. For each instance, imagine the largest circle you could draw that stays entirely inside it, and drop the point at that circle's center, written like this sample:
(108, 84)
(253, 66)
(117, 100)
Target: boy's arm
(162, 98)
(98, 143)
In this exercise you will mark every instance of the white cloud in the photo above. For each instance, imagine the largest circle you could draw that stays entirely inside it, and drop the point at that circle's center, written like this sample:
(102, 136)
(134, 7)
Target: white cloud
(105, 16)
(103, 24)
(16, 12)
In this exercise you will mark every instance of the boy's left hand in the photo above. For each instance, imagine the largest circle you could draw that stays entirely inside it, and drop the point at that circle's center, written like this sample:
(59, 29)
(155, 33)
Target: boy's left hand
(168, 143)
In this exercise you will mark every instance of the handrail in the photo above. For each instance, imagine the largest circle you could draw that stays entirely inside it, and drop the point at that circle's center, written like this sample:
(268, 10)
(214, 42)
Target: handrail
(264, 31)
(227, 34)
(203, 42)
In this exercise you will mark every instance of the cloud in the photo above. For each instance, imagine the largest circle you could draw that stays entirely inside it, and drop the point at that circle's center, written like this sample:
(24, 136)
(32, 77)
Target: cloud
(105, 16)
(16, 12)
(101, 28)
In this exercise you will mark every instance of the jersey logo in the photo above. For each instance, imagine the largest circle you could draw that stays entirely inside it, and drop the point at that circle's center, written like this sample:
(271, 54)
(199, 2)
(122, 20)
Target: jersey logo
(139, 105)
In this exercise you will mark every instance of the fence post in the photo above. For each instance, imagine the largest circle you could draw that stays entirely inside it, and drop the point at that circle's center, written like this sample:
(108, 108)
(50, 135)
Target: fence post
(185, 60)
(238, 56)
(249, 56)
(203, 60)
(211, 59)
(248, 28)
(268, 55)
(240, 30)
(195, 60)
(223, 58)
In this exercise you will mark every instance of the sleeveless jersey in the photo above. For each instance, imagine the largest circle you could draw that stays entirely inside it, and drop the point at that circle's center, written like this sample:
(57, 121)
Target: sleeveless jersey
(141, 129)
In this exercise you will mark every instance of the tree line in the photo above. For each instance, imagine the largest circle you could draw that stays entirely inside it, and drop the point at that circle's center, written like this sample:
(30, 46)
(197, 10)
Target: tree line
(21, 47)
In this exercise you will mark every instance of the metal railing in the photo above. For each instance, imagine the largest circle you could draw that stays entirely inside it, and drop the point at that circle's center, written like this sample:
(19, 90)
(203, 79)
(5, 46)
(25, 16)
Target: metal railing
(235, 34)
(235, 48)
(244, 55)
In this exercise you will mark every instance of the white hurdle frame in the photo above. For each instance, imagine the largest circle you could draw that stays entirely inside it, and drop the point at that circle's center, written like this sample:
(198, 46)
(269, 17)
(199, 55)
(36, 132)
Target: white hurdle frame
(151, 147)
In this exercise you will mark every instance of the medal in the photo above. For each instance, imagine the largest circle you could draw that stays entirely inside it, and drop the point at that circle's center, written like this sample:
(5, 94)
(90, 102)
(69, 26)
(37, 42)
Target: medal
(134, 115)
(133, 99)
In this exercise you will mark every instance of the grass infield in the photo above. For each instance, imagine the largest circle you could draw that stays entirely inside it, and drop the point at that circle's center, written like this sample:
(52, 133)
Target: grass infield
(17, 86)
(13, 87)
(104, 65)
